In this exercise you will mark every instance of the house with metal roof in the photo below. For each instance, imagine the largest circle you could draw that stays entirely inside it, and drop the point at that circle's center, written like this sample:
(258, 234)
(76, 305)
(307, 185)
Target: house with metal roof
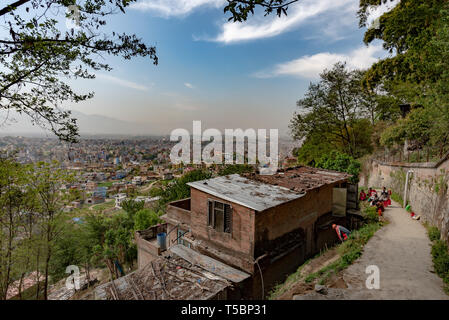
(263, 225)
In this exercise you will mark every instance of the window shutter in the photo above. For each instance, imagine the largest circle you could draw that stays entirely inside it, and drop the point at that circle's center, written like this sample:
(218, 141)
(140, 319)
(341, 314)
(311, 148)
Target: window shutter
(227, 218)
(210, 212)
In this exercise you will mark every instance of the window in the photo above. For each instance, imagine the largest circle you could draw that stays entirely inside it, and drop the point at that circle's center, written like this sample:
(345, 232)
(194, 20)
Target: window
(219, 216)
(181, 233)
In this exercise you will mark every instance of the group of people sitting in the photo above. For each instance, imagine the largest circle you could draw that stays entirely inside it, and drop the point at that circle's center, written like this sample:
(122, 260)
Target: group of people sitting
(380, 202)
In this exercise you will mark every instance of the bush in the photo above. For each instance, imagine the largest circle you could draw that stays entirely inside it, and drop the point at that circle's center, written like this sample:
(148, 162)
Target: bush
(340, 162)
(179, 188)
(371, 214)
(145, 218)
(434, 233)
(236, 168)
(440, 257)
(396, 197)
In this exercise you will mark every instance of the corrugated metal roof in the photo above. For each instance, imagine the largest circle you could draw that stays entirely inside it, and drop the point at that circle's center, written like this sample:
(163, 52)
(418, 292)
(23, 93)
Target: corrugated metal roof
(209, 264)
(246, 192)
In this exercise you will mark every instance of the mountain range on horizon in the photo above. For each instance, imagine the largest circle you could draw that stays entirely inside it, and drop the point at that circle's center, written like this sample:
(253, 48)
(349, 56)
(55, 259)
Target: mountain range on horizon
(91, 125)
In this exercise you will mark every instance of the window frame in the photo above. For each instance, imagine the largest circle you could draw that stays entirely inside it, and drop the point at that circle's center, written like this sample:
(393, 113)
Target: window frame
(211, 215)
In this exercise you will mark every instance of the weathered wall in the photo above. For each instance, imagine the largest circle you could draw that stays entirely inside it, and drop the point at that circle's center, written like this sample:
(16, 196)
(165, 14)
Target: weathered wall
(146, 252)
(179, 211)
(239, 243)
(428, 192)
(274, 273)
(146, 242)
(256, 233)
(300, 213)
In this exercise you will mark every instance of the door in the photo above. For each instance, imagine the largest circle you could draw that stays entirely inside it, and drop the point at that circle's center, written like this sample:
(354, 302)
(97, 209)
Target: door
(352, 201)
(339, 196)
(181, 233)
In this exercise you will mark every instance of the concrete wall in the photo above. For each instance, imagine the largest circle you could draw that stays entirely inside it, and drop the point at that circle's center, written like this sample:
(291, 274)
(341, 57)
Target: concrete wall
(146, 252)
(428, 192)
(146, 242)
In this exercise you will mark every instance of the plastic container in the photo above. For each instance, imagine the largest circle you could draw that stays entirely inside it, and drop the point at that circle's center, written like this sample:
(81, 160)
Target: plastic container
(162, 240)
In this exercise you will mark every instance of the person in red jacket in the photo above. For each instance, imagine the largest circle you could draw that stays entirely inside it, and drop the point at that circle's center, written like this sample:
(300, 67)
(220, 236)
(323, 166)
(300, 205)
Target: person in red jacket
(342, 232)
(362, 195)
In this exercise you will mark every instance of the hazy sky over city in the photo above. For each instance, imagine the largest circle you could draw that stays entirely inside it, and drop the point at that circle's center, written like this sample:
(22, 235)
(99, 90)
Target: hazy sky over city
(228, 75)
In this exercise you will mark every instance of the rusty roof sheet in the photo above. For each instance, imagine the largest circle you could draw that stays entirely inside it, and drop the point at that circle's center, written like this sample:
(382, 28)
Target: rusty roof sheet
(165, 278)
(301, 178)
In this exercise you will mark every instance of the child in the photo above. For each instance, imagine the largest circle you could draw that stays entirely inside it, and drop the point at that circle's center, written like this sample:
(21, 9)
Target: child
(380, 208)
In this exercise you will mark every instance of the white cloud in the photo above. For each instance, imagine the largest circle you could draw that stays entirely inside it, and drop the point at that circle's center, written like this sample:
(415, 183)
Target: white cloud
(298, 13)
(374, 14)
(122, 82)
(189, 85)
(311, 66)
(169, 8)
(335, 13)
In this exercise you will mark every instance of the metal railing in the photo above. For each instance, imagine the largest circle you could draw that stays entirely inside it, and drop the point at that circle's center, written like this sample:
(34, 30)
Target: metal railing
(397, 155)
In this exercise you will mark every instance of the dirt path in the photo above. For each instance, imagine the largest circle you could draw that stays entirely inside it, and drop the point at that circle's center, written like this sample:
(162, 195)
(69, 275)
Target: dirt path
(401, 250)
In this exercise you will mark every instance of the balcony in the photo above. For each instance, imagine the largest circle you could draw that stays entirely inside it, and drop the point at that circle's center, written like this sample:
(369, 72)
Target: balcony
(178, 213)
(147, 246)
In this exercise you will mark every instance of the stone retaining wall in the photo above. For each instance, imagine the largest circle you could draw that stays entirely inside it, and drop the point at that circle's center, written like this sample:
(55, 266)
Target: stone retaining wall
(427, 193)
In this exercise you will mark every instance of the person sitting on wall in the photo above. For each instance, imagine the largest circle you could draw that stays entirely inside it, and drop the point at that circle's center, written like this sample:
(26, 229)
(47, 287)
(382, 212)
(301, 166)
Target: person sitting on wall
(362, 195)
(374, 199)
(384, 197)
(342, 233)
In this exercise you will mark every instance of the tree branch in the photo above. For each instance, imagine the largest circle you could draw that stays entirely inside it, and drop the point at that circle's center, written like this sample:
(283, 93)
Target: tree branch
(12, 6)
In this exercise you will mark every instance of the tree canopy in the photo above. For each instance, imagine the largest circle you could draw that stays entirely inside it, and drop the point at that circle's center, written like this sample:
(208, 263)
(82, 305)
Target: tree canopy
(417, 32)
(405, 32)
(39, 56)
(357, 112)
(334, 115)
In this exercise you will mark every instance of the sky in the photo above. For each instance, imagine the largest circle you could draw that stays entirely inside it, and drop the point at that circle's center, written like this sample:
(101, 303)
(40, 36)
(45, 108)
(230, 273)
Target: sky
(227, 75)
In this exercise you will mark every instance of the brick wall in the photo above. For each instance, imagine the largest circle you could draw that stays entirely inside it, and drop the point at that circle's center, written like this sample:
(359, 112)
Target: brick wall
(239, 243)
(299, 213)
(174, 211)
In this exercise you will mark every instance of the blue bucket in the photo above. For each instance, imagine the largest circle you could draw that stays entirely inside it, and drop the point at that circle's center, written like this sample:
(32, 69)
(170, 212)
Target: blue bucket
(161, 240)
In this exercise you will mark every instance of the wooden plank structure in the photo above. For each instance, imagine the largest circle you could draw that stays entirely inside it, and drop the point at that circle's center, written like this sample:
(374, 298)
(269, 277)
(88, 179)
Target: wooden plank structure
(181, 274)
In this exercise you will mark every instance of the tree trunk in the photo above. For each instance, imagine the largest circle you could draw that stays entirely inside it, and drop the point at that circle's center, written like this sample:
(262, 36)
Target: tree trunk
(38, 283)
(47, 263)
(88, 275)
(21, 284)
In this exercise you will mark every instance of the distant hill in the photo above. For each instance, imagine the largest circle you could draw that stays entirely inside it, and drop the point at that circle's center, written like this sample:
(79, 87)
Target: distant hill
(88, 125)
